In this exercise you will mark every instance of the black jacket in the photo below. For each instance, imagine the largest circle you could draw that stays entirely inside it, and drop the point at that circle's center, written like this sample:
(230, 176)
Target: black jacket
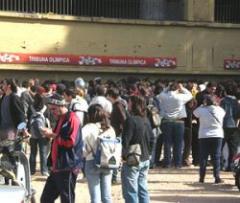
(137, 130)
(16, 109)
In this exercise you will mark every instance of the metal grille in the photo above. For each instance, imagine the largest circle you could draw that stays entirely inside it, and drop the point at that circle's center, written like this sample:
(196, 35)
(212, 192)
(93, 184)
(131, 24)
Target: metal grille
(227, 11)
(128, 9)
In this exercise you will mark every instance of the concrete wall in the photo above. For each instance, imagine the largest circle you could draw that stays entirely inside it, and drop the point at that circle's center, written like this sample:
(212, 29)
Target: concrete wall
(200, 48)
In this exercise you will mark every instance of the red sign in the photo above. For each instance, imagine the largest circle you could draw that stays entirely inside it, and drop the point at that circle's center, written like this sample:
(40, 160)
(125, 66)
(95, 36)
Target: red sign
(232, 64)
(88, 60)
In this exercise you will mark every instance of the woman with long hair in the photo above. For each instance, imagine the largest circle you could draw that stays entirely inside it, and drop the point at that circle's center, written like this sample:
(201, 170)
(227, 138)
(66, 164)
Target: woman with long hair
(137, 130)
(99, 180)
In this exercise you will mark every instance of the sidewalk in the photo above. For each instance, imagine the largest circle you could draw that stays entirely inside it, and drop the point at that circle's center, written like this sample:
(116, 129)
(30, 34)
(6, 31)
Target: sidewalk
(170, 186)
(182, 186)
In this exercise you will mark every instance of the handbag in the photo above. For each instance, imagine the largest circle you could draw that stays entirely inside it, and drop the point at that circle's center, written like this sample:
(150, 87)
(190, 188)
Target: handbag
(134, 155)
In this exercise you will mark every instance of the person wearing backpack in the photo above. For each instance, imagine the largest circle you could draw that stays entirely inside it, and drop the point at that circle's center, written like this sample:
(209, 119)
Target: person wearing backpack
(99, 179)
(37, 140)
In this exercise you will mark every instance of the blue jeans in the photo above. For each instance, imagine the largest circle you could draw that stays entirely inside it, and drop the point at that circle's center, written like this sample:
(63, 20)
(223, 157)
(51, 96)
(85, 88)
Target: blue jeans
(173, 134)
(210, 146)
(99, 183)
(155, 147)
(43, 145)
(134, 183)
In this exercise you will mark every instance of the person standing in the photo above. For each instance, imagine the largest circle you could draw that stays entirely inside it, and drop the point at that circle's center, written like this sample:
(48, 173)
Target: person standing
(99, 179)
(210, 136)
(38, 120)
(137, 130)
(11, 110)
(204, 89)
(230, 123)
(117, 118)
(173, 111)
(65, 157)
(27, 97)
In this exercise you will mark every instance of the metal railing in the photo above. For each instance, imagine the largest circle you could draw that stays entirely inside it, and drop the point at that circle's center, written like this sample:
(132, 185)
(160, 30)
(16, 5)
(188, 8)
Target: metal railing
(126, 9)
(227, 11)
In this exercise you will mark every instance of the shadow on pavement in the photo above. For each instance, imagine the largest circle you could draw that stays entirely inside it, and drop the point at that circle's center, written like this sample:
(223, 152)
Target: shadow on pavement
(172, 171)
(217, 188)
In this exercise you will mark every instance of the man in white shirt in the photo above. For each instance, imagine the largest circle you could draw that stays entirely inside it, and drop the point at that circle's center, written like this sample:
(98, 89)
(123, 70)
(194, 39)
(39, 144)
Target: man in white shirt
(173, 111)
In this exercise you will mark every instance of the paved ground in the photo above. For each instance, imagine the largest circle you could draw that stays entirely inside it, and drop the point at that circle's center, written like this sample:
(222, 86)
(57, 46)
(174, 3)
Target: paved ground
(169, 185)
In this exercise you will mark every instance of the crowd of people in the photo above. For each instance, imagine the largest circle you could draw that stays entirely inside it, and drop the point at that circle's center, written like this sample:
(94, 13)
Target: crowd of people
(186, 120)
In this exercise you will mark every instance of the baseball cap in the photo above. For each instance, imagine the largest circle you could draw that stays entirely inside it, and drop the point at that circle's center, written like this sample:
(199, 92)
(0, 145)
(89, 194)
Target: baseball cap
(56, 99)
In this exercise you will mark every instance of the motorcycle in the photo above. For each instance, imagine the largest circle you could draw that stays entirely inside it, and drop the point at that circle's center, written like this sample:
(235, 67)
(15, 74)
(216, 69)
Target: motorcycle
(15, 170)
(236, 169)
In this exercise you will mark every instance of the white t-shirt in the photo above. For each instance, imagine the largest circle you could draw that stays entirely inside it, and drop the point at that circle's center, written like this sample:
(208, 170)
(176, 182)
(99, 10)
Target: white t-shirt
(173, 103)
(210, 126)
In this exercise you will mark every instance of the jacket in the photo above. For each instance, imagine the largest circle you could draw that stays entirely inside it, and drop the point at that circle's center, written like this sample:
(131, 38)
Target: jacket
(66, 150)
(231, 107)
(137, 130)
(16, 109)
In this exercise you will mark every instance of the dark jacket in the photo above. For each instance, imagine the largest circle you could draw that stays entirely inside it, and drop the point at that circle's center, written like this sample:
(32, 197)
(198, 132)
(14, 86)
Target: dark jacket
(200, 97)
(66, 151)
(137, 130)
(231, 107)
(16, 109)
(27, 101)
